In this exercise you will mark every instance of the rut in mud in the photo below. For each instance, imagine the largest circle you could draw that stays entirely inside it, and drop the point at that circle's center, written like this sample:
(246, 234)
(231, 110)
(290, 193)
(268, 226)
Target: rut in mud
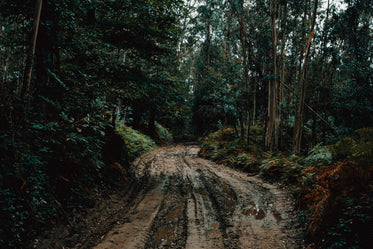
(189, 202)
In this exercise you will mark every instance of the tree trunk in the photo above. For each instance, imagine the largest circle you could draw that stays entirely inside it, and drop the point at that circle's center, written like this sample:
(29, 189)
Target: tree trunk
(300, 111)
(6, 66)
(238, 9)
(208, 41)
(254, 103)
(38, 7)
(283, 67)
(271, 138)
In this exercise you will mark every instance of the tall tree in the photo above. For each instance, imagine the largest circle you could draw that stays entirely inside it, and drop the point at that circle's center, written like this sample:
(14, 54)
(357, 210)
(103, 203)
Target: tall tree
(300, 110)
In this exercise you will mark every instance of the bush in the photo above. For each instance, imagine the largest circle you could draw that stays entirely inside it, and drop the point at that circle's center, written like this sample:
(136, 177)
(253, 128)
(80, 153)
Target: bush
(135, 143)
(163, 135)
(320, 155)
(247, 162)
(47, 170)
(340, 206)
(220, 145)
(223, 146)
(287, 170)
(357, 148)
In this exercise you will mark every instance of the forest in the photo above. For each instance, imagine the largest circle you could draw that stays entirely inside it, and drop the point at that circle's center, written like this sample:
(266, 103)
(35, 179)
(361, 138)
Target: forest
(281, 89)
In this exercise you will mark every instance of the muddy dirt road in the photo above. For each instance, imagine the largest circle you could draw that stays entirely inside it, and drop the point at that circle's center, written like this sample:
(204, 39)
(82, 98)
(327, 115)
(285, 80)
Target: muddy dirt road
(189, 202)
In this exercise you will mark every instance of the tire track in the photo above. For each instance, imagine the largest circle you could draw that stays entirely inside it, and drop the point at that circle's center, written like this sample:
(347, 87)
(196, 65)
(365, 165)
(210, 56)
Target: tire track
(189, 202)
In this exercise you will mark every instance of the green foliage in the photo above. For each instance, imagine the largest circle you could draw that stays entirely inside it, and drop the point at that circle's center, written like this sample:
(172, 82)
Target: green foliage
(319, 155)
(287, 170)
(223, 146)
(163, 135)
(145, 61)
(53, 165)
(247, 162)
(334, 195)
(343, 148)
(135, 143)
(353, 228)
(217, 140)
(357, 148)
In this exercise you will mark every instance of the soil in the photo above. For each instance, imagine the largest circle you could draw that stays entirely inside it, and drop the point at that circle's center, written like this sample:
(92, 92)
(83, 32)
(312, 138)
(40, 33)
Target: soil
(187, 202)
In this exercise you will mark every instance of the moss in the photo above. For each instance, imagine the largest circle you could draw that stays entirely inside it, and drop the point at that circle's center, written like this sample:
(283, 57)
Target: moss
(163, 135)
(135, 143)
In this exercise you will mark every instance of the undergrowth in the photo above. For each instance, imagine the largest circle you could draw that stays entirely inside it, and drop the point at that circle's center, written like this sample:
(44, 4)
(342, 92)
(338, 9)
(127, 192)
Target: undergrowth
(58, 172)
(135, 143)
(332, 185)
(163, 135)
(224, 147)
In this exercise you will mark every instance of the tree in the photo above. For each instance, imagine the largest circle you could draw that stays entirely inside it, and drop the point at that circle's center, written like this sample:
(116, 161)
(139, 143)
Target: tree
(300, 109)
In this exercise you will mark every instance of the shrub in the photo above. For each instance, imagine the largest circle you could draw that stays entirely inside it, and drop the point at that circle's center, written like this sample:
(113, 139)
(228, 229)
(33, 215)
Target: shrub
(223, 146)
(340, 206)
(135, 143)
(42, 164)
(163, 135)
(247, 162)
(287, 170)
(319, 155)
(357, 148)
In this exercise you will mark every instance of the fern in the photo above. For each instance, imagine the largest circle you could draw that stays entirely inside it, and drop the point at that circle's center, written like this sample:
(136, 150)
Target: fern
(319, 154)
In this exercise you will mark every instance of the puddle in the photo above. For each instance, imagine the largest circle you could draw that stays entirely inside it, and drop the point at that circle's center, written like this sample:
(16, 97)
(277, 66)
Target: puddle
(214, 225)
(176, 212)
(202, 191)
(277, 216)
(165, 234)
(255, 211)
(227, 191)
(230, 205)
(260, 214)
(250, 202)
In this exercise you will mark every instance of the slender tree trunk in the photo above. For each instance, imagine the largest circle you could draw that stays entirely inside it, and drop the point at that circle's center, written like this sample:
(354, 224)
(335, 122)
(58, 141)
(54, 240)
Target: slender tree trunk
(254, 103)
(271, 139)
(118, 110)
(242, 129)
(248, 127)
(6, 66)
(21, 82)
(38, 7)
(244, 83)
(239, 10)
(300, 111)
(208, 41)
(179, 51)
(283, 67)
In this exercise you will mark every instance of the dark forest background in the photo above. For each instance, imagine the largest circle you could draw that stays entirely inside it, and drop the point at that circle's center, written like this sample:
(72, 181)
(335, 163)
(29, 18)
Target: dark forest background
(287, 84)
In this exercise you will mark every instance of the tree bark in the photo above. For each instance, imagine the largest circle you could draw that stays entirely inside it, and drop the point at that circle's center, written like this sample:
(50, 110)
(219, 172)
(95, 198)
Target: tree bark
(300, 111)
(38, 7)
(271, 138)
(238, 9)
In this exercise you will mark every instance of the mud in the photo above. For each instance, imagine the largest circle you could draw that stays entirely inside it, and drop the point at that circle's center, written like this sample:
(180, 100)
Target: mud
(193, 203)
(179, 200)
